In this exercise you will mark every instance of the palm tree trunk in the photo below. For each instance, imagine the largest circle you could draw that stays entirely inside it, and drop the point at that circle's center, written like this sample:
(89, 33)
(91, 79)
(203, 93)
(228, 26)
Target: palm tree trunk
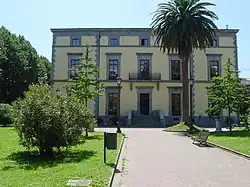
(185, 92)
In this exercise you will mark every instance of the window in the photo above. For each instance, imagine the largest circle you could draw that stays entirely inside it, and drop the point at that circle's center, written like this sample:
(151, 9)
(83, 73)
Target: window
(114, 42)
(175, 70)
(214, 43)
(112, 103)
(76, 42)
(213, 68)
(144, 69)
(144, 42)
(113, 69)
(176, 104)
(73, 65)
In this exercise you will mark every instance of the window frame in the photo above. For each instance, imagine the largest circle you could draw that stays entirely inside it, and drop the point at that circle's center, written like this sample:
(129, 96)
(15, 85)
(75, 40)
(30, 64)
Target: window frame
(113, 56)
(171, 67)
(212, 58)
(75, 38)
(174, 90)
(108, 91)
(144, 38)
(116, 61)
(114, 38)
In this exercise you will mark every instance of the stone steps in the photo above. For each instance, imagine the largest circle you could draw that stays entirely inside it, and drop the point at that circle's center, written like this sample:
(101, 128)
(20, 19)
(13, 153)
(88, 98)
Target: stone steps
(146, 122)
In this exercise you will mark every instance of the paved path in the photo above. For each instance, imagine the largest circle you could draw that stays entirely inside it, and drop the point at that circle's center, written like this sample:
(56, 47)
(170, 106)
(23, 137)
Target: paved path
(153, 158)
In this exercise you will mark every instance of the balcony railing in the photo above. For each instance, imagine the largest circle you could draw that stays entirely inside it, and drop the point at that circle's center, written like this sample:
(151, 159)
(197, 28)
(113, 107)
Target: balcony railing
(144, 76)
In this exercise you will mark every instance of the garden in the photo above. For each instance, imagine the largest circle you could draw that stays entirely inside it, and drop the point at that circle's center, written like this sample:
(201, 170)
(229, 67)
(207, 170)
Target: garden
(48, 138)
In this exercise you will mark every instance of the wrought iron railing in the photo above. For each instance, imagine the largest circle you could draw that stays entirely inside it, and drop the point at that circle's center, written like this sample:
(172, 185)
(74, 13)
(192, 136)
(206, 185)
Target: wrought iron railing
(144, 76)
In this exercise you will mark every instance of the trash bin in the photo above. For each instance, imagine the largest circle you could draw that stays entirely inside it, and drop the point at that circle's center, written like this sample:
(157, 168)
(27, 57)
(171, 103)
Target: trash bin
(111, 140)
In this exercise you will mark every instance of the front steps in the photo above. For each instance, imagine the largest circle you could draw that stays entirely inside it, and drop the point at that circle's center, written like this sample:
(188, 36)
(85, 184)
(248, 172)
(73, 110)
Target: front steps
(146, 122)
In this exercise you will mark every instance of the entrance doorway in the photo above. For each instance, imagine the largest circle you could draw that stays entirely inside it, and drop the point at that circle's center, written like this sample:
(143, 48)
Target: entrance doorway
(144, 103)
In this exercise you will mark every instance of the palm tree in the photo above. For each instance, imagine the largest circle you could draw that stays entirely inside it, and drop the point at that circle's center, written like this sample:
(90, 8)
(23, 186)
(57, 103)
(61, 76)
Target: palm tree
(181, 26)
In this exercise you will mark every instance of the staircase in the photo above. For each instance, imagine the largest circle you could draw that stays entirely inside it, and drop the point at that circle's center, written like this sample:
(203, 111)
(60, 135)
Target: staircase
(146, 122)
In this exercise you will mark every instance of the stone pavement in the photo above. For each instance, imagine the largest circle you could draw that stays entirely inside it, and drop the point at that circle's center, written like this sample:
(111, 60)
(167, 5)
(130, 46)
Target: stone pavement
(153, 158)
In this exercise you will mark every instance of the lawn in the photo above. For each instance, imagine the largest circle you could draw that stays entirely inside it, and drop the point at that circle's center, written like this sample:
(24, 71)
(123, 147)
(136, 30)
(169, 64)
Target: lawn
(238, 140)
(181, 127)
(177, 128)
(85, 161)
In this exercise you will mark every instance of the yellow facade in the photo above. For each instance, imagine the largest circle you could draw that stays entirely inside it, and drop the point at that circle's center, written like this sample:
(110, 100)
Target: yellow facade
(130, 48)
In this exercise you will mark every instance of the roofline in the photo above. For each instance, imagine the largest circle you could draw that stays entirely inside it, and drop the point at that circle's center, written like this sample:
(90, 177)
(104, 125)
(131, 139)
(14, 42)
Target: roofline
(53, 30)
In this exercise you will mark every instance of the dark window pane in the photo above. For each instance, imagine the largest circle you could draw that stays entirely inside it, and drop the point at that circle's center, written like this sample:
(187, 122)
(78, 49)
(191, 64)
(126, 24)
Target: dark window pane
(112, 104)
(214, 68)
(76, 41)
(114, 42)
(113, 69)
(176, 104)
(175, 70)
(144, 70)
(144, 42)
(214, 43)
(73, 65)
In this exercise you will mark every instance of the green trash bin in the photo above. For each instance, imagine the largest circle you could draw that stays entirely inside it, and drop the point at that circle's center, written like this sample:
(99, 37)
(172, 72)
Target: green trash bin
(111, 140)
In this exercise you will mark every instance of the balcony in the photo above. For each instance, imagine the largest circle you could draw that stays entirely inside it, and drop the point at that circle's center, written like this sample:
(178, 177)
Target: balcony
(145, 76)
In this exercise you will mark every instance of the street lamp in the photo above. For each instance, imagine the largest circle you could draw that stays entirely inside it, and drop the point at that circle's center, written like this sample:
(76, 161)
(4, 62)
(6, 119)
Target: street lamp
(191, 84)
(118, 81)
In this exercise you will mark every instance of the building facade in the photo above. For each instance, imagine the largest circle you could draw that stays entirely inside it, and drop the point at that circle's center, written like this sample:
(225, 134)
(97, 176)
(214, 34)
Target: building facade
(151, 79)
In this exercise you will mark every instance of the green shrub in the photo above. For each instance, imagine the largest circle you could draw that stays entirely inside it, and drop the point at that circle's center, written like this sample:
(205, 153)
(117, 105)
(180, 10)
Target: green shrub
(47, 122)
(6, 114)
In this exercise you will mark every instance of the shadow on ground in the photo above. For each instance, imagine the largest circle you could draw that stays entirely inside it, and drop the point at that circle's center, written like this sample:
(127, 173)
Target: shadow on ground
(32, 160)
(242, 133)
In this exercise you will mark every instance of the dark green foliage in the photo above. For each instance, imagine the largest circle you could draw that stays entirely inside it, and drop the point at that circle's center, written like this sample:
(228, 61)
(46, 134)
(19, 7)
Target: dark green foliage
(227, 93)
(49, 122)
(6, 114)
(20, 66)
(181, 26)
(84, 85)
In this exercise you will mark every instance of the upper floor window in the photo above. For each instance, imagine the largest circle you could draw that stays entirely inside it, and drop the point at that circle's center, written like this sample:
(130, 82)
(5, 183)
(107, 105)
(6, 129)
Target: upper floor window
(113, 42)
(214, 43)
(175, 70)
(113, 65)
(144, 42)
(73, 65)
(113, 69)
(214, 68)
(76, 41)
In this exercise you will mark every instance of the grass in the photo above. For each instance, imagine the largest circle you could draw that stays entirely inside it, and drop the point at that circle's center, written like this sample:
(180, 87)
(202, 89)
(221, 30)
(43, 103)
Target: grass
(85, 161)
(238, 140)
(181, 127)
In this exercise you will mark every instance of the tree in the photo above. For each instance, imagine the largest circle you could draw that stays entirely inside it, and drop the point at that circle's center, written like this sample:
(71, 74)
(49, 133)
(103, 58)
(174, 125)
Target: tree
(44, 70)
(227, 93)
(244, 110)
(47, 122)
(83, 83)
(20, 65)
(181, 26)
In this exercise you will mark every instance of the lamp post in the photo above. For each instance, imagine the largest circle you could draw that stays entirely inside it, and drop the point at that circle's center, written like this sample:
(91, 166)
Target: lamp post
(191, 84)
(118, 80)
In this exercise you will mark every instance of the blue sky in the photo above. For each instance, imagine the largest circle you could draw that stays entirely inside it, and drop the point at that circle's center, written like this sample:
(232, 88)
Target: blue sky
(34, 18)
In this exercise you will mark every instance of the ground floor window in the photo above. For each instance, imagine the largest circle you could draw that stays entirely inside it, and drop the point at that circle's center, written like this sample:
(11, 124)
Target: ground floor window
(176, 104)
(112, 103)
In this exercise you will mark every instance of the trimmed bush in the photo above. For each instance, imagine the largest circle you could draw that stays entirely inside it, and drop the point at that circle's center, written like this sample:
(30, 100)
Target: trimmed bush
(46, 122)
(6, 114)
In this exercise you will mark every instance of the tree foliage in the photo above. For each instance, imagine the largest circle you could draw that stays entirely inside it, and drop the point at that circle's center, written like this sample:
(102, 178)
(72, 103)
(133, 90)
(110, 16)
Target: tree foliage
(184, 25)
(227, 93)
(46, 122)
(20, 65)
(84, 84)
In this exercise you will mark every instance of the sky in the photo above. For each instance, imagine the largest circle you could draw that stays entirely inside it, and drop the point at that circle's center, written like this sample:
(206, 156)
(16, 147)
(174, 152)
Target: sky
(34, 18)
